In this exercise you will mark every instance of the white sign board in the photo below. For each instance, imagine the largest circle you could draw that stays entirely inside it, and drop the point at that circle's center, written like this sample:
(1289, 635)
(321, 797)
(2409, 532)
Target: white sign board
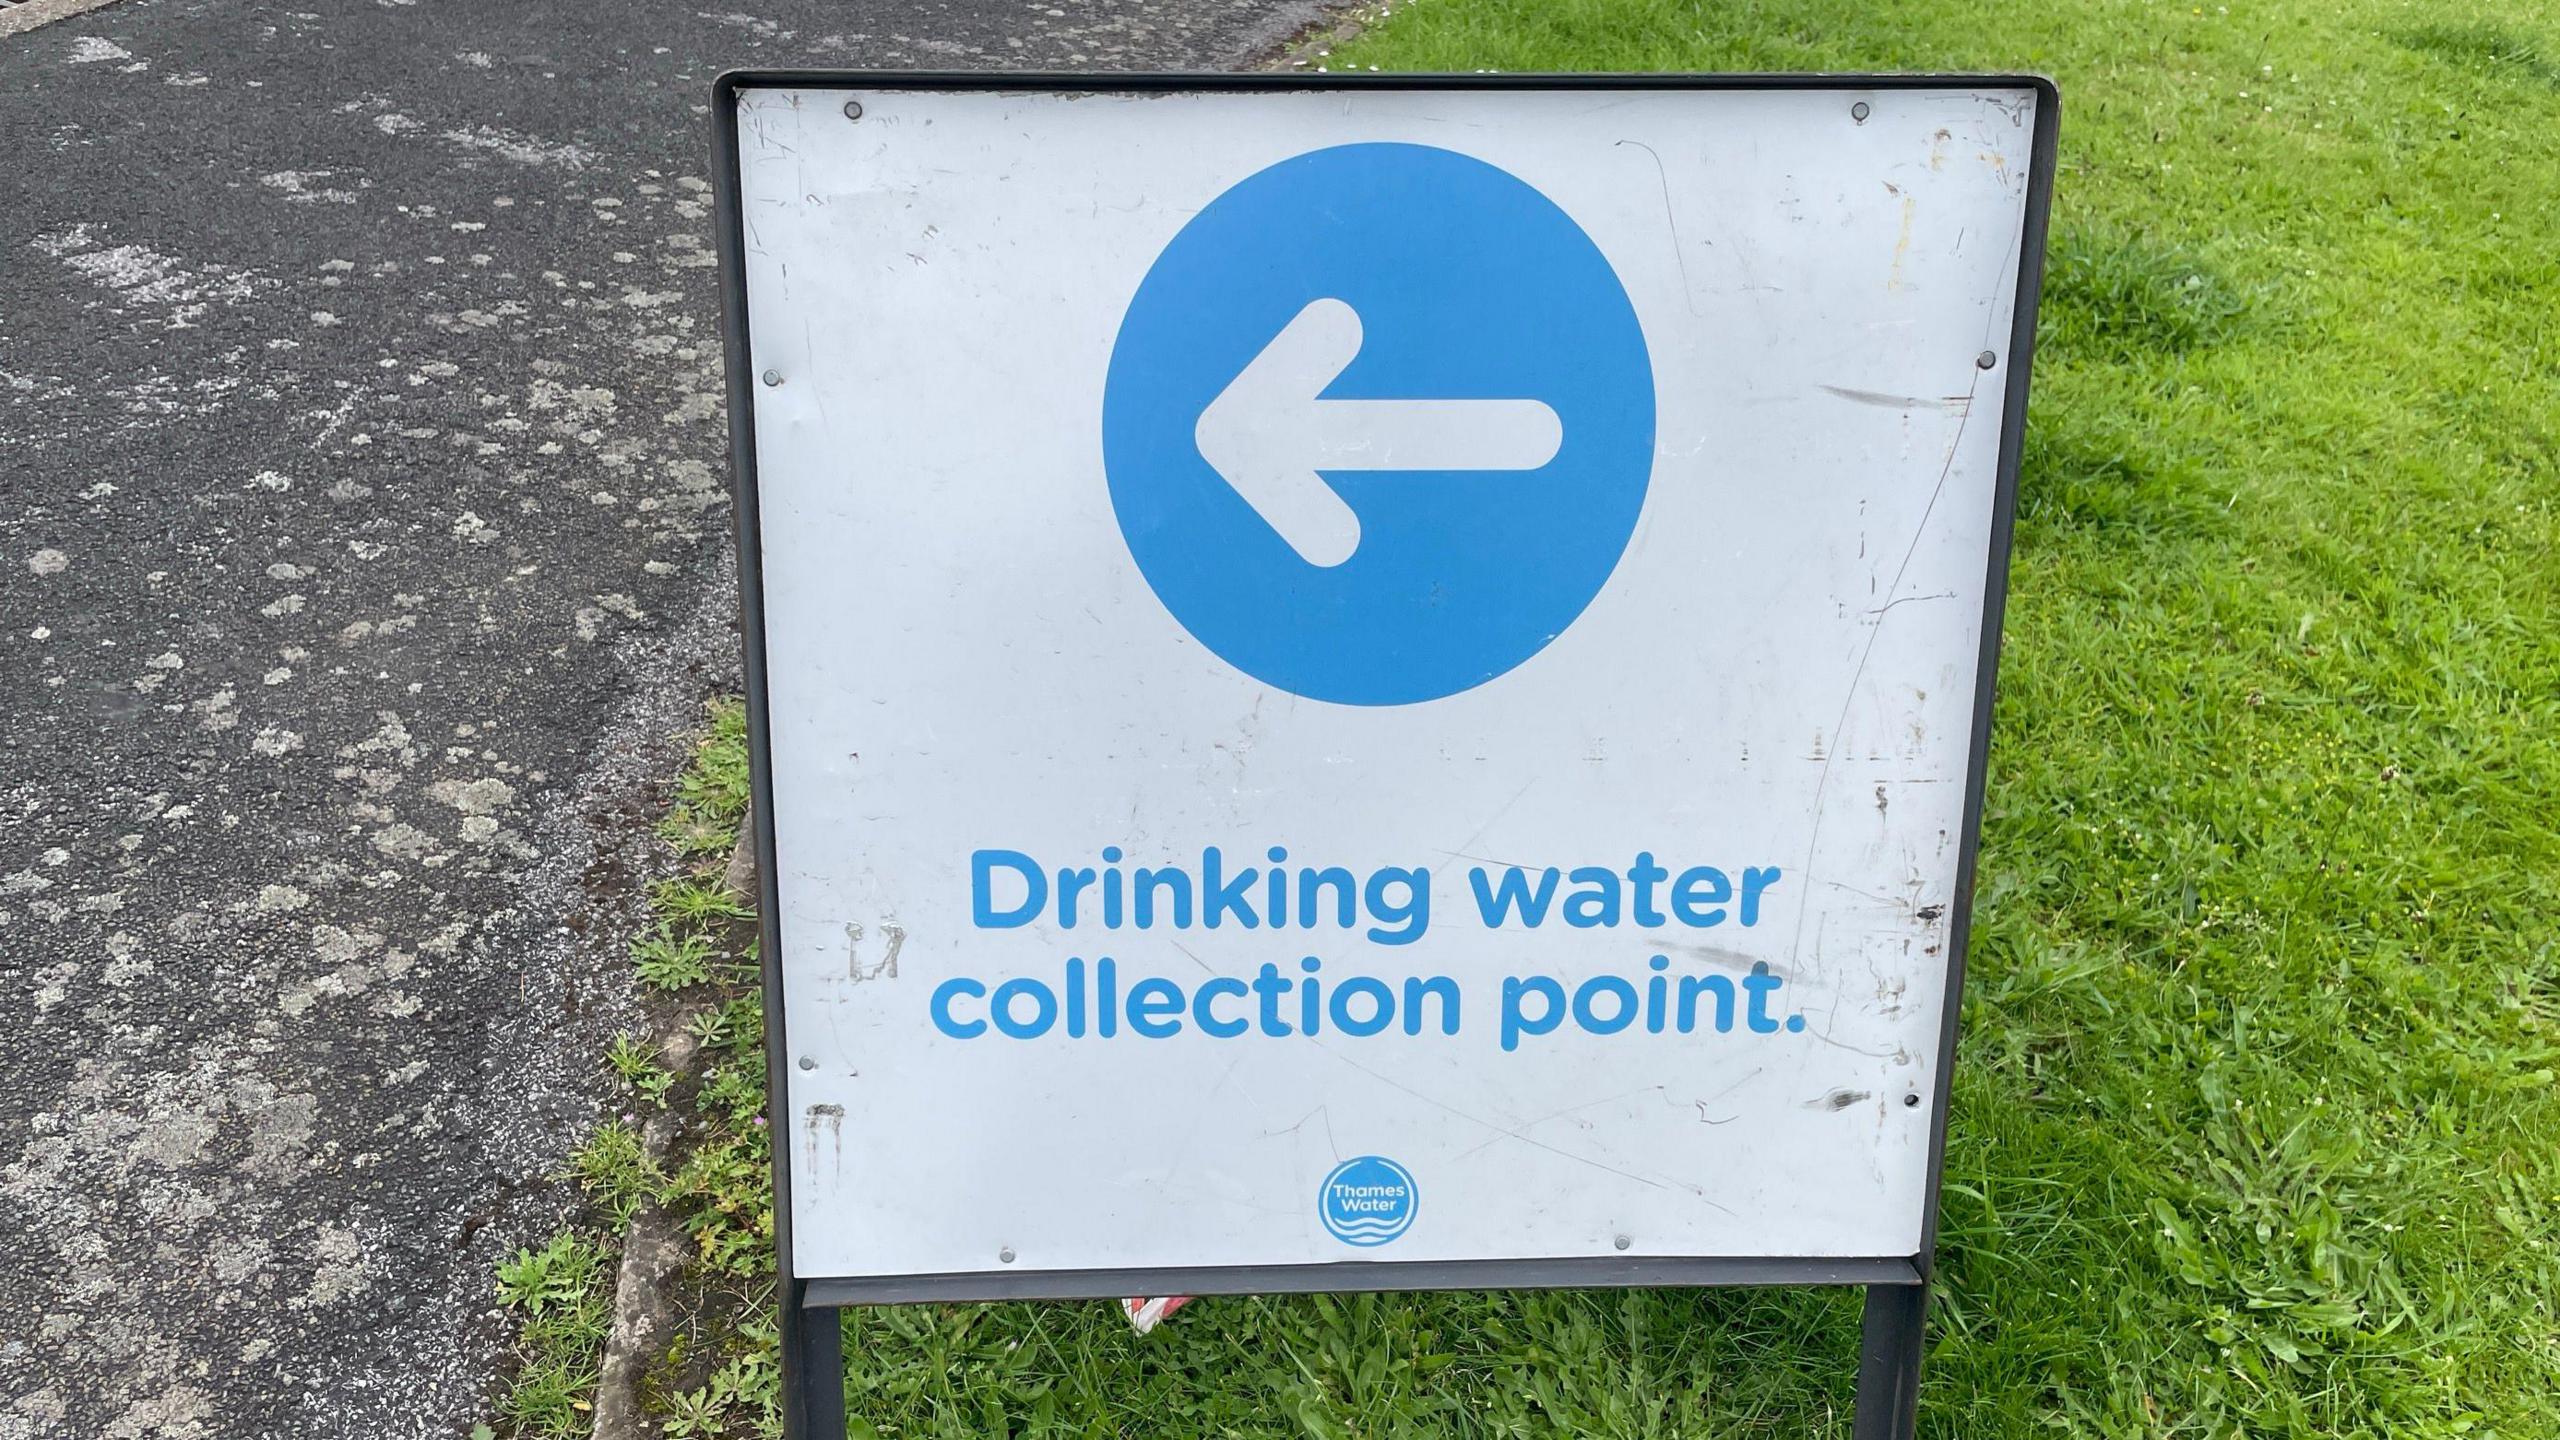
(1384, 675)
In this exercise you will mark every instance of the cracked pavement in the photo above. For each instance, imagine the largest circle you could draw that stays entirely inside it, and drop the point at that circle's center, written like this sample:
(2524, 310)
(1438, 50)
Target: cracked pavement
(363, 565)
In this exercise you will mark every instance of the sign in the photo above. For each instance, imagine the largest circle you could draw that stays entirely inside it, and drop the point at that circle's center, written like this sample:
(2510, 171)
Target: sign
(1369, 686)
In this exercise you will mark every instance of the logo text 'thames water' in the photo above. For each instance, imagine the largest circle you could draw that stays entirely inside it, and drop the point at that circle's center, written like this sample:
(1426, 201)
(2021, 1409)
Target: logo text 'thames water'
(1368, 1201)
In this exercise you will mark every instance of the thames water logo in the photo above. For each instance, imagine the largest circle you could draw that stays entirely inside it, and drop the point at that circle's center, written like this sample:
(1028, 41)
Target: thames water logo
(1368, 1201)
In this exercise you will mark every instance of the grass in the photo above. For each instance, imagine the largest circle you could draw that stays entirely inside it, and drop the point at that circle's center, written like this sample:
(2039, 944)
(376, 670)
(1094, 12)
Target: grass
(561, 1297)
(2256, 1132)
(2487, 47)
(717, 1377)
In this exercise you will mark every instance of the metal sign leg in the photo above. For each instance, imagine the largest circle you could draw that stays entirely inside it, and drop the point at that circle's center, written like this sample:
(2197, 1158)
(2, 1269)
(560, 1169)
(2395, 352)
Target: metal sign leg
(812, 1370)
(1889, 1363)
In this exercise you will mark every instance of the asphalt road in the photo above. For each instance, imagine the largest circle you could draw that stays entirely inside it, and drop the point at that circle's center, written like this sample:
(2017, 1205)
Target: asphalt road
(363, 557)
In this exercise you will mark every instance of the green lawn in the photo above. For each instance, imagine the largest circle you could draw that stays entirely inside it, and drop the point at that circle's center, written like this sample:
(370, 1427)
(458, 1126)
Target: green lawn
(2256, 1131)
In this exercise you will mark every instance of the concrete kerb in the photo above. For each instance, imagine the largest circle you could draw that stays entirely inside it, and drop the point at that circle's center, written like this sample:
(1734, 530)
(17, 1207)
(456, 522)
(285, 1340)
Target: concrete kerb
(653, 1248)
(1311, 47)
(20, 18)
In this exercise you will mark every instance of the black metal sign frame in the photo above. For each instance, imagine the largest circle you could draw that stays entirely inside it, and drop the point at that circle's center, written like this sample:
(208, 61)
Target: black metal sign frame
(1896, 1286)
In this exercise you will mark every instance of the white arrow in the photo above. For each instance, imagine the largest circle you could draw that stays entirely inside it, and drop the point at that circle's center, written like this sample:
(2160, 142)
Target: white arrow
(1269, 436)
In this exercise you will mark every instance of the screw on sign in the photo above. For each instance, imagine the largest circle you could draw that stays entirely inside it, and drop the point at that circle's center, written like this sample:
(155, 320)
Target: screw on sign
(1429, 643)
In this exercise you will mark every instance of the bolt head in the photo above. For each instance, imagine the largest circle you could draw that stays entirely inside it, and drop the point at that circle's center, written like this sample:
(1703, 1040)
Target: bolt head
(1623, 1241)
(1985, 360)
(1005, 1254)
(773, 377)
(853, 109)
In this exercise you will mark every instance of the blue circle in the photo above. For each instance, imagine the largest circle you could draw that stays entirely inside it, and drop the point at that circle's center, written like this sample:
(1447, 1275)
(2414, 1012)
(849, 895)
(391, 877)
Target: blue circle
(1469, 285)
(1368, 1201)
